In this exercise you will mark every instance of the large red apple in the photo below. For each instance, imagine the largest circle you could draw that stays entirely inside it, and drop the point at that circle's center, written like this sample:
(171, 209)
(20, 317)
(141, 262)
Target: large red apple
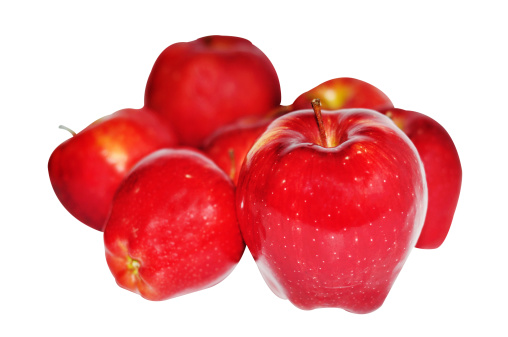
(330, 214)
(201, 85)
(442, 170)
(173, 227)
(86, 170)
(344, 93)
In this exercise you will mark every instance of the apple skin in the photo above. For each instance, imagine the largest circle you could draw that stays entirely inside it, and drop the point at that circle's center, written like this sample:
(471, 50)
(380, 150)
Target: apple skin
(332, 226)
(443, 172)
(86, 170)
(344, 93)
(201, 85)
(236, 137)
(173, 228)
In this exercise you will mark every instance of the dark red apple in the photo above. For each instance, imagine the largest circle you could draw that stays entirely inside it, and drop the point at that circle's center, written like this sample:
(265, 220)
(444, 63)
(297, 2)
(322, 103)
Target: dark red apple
(201, 85)
(442, 170)
(173, 227)
(86, 170)
(331, 214)
(344, 93)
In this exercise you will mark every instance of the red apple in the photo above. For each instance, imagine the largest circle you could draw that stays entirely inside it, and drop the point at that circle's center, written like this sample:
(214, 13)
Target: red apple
(86, 170)
(173, 227)
(229, 145)
(344, 93)
(442, 170)
(331, 214)
(201, 85)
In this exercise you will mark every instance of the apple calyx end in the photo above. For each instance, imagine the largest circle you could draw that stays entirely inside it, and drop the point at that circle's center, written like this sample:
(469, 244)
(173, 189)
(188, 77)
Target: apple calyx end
(63, 127)
(133, 265)
(316, 106)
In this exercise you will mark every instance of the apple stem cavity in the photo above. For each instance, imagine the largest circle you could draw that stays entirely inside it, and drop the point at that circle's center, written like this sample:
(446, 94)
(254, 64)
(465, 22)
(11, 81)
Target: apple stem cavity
(63, 127)
(232, 160)
(316, 105)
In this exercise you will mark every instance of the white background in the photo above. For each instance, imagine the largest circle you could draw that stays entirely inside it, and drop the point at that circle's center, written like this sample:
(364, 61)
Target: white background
(64, 63)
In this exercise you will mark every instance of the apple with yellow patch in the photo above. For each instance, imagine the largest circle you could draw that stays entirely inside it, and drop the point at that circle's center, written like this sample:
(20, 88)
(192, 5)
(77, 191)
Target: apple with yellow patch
(86, 170)
(344, 93)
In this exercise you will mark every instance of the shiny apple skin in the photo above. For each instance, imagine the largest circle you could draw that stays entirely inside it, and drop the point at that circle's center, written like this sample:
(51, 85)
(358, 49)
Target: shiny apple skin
(238, 138)
(173, 227)
(86, 169)
(201, 85)
(344, 93)
(443, 172)
(332, 226)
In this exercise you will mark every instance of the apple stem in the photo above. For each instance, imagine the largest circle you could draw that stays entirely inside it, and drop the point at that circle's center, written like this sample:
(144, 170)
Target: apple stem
(232, 160)
(68, 129)
(316, 105)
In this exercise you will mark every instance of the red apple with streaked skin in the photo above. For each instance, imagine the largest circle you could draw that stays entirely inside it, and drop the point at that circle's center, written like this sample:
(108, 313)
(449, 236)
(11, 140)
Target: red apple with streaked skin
(86, 170)
(443, 172)
(330, 217)
(344, 93)
(173, 228)
(201, 85)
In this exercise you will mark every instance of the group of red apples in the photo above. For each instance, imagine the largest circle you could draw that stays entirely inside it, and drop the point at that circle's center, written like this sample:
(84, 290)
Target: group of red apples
(330, 193)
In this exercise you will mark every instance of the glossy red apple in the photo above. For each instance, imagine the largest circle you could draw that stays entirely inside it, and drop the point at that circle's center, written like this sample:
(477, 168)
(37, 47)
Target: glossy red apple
(229, 145)
(86, 170)
(330, 217)
(442, 170)
(173, 227)
(201, 85)
(344, 93)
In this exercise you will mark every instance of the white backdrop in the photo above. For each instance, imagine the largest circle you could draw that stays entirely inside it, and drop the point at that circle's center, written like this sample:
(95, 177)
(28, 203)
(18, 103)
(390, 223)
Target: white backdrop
(64, 63)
